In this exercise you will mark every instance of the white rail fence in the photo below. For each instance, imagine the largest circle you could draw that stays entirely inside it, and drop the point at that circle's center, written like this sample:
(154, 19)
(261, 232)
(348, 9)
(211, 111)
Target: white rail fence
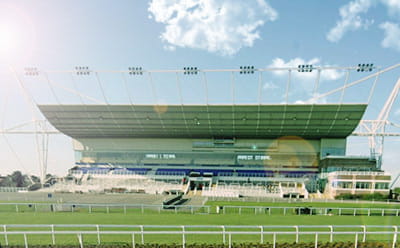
(107, 208)
(298, 200)
(310, 210)
(357, 233)
(125, 208)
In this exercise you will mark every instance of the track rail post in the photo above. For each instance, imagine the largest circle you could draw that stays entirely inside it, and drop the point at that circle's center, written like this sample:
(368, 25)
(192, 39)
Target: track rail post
(53, 237)
(98, 234)
(183, 237)
(25, 241)
(395, 236)
(133, 240)
(5, 234)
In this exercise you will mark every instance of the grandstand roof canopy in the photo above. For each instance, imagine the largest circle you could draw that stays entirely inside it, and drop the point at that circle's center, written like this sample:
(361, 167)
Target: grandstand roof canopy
(205, 121)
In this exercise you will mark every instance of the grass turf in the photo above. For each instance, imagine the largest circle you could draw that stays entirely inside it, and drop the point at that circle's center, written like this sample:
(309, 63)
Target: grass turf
(152, 217)
(183, 219)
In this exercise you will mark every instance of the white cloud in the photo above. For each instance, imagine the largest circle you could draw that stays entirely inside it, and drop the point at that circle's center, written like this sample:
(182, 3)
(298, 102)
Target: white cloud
(169, 48)
(393, 7)
(350, 19)
(220, 26)
(303, 89)
(315, 99)
(270, 86)
(397, 112)
(324, 76)
(391, 36)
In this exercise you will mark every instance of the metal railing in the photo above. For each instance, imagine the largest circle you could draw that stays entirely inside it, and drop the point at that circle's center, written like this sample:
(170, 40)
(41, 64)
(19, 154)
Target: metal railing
(225, 234)
(13, 189)
(298, 200)
(195, 209)
(94, 207)
(310, 210)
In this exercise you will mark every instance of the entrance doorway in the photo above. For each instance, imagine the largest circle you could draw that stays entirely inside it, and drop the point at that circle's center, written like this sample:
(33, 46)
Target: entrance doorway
(199, 184)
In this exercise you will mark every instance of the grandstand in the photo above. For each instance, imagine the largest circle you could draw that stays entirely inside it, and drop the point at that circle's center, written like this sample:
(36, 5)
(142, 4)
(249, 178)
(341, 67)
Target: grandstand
(263, 150)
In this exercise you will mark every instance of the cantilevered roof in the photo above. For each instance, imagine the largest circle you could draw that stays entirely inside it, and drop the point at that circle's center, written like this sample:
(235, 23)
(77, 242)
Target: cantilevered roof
(205, 121)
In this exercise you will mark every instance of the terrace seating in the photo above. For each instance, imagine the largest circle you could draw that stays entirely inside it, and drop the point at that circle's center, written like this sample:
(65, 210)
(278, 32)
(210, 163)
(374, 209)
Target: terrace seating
(254, 173)
(125, 185)
(172, 172)
(225, 173)
(130, 171)
(247, 189)
(297, 174)
(214, 172)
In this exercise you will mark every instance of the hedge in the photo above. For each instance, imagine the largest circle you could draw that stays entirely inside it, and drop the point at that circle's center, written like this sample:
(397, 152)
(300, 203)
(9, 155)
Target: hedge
(365, 197)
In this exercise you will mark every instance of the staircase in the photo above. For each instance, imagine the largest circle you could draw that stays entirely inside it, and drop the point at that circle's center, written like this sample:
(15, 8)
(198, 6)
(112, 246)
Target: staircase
(196, 200)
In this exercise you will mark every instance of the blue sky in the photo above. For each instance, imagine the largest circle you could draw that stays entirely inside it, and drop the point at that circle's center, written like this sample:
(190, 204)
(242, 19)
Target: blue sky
(113, 35)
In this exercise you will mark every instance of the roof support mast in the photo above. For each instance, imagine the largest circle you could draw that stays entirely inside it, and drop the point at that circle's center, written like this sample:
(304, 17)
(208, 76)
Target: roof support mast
(374, 129)
(379, 126)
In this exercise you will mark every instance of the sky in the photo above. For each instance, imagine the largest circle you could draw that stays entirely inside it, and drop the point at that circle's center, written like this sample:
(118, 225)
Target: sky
(171, 34)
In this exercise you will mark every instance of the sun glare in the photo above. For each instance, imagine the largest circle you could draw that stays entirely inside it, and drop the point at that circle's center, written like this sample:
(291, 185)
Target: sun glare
(8, 39)
(17, 36)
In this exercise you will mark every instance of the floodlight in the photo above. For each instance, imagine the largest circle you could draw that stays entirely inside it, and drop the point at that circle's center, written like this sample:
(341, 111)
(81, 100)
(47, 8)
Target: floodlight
(365, 67)
(31, 71)
(246, 69)
(190, 70)
(82, 70)
(305, 68)
(135, 70)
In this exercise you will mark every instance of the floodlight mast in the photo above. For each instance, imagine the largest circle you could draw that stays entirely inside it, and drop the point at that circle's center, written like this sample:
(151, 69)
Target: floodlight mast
(197, 70)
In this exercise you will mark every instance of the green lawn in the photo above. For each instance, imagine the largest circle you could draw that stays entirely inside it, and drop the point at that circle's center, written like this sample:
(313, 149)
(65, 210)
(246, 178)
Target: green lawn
(116, 216)
(170, 218)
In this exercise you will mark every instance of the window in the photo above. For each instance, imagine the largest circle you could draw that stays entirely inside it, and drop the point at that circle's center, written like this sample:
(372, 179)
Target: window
(345, 185)
(363, 185)
(381, 185)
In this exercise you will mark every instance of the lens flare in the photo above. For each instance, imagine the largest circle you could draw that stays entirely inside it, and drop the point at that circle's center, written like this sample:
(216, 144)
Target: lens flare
(291, 152)
(160, 109)
(8, 38)
(17, 35)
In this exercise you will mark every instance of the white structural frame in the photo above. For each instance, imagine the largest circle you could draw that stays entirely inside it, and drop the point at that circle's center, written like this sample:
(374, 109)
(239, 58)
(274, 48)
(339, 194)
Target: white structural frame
(374, 129)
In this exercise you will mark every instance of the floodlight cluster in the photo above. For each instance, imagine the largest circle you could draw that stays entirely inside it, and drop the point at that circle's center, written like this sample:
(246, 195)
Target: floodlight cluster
(247, 69)
(365, 67)
(190, 70)
(305, 68)
(31, 71)
(82, 70)
(135, 70)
